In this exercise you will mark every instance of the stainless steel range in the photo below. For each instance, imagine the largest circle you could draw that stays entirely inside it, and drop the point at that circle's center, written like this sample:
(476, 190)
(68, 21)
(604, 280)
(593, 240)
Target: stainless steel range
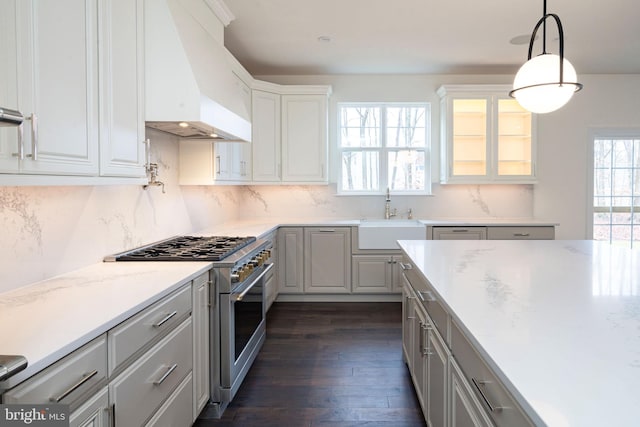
(241, 267)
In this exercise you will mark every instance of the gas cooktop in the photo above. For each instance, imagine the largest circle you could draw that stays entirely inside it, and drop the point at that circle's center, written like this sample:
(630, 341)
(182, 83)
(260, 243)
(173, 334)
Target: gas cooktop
(186, 248)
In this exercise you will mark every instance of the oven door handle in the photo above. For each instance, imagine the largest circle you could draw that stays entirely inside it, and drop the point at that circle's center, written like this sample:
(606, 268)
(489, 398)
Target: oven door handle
(240, 296)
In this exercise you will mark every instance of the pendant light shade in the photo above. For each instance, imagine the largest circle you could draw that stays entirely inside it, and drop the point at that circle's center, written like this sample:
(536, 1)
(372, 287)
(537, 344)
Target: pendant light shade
(540, 90)
(548, 81)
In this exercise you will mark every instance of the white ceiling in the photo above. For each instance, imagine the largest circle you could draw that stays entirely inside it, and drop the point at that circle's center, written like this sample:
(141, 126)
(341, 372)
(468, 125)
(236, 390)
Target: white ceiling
(273, 37)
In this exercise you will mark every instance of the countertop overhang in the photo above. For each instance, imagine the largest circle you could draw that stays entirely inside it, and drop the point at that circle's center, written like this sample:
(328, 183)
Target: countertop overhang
(557, 320)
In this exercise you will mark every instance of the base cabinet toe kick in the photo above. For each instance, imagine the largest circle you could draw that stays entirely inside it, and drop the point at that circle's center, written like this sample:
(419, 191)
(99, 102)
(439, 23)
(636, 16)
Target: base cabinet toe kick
(454, 385)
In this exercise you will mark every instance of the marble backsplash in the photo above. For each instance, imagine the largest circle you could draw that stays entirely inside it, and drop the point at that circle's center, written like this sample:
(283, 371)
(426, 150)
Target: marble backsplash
(48, 231)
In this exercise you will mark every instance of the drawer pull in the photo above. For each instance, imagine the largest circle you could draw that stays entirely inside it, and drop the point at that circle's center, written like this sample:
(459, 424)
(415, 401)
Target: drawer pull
(85, 378)
(460, 230)
(428, 296)
(491, 407)
(164, 319)
(406, 266)
(521, 234)
(166, 374)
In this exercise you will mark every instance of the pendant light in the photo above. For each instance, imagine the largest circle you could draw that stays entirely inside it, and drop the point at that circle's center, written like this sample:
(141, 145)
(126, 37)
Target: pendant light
(548, 81)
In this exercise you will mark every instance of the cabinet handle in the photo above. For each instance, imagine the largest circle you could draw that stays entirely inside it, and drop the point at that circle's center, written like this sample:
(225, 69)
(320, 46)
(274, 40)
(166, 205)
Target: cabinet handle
(217, 165)
(521, 234)
(20, 153)
(84, 379)
(327, 230)
(164, 320)
(166, 374)
(429, 296)
(112, 415)
(421, 340)
(34, 136)
(491, 407)
(459, 230)
(406, 266)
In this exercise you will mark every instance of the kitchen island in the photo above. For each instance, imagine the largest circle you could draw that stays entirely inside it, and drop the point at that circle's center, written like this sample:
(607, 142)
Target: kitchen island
(558, 322)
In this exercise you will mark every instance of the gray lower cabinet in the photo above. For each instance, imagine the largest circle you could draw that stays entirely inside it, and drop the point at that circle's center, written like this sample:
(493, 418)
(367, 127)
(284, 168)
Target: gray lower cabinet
(492, 232)
(290, 260)
(438, 378)
(175, 411)
(466, 411)
(459, 233)
(201, 362)
(327, 253)
(72, 380)
(93, 413)
(376, 274)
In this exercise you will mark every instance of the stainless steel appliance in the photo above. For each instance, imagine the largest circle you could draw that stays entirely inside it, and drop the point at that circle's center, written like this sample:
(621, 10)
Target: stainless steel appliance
(241, 267)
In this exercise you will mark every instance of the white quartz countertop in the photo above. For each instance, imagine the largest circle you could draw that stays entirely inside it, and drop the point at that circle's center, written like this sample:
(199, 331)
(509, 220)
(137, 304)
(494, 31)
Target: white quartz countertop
(559, 321)
(47, 320)
(260, 228)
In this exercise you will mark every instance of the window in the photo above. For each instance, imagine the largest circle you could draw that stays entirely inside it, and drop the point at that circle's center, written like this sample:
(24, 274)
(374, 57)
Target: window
(616, 189)
(384, 145)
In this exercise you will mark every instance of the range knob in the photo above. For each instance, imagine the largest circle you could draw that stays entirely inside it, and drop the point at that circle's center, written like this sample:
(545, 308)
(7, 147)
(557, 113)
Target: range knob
(235, 276)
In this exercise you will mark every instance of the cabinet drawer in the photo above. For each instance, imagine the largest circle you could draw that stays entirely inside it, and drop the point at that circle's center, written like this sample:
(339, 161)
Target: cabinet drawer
(459, 233)
(140, 390)
(94, 412)
(177, 410)
(142, 329)
(69, 381)
(500, 405)
(521, 233)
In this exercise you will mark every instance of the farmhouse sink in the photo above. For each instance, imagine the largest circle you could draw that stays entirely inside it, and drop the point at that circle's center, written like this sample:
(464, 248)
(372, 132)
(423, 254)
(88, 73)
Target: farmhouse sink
(382, 234)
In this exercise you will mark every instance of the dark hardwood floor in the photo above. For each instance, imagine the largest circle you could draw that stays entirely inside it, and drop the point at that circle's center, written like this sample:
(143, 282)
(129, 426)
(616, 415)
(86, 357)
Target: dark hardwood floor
(327, 364)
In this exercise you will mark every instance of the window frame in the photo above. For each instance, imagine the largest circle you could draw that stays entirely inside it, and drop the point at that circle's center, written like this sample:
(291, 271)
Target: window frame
(384, 149)
(597, 134)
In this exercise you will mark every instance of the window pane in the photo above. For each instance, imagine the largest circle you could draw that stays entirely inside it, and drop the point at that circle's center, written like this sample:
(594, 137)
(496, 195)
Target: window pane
(360, 127)
(406, 170)
(622, 153)
(360, 171)
(601, 232)
(601, 218)
(602, 182)
(406, 126)
(602, 153)
(622, 179)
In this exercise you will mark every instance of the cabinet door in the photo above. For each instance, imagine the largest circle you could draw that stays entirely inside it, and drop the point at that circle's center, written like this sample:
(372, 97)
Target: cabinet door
(408, 299)
(372, 273)
(327, 266)
(121, 88)
(304, 138)
(513, 138)
(8, 84)
(465, 410)
(419, 354)
(200, 318)
(468, 145)
(266, 137)
(58, 83)
(396, 274)
(93, 413)
(459, 233)
(290, 259)
(438, 379)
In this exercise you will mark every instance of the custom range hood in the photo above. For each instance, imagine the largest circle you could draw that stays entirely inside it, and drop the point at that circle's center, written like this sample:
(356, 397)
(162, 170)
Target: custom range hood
(190, 88)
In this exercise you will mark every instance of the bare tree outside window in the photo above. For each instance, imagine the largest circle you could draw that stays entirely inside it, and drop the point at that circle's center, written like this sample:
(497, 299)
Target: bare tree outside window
(616, 190)
(383, 145)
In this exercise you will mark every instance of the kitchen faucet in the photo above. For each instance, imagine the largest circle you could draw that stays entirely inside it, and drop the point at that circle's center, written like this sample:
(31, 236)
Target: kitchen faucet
(387, 207)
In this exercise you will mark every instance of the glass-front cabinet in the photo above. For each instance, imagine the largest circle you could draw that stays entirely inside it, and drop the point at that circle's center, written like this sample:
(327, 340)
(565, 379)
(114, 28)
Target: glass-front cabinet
(486, 136)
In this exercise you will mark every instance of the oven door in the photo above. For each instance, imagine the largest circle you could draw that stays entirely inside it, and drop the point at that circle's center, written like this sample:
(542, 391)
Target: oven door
(242, 330)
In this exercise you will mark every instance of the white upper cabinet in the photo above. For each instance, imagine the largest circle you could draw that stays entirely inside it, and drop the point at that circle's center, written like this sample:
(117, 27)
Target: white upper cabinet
(121, 88)
(55, 57)
(290, 141)
(74, 69)
(486, 136)
(266, 137)
(304, 139)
